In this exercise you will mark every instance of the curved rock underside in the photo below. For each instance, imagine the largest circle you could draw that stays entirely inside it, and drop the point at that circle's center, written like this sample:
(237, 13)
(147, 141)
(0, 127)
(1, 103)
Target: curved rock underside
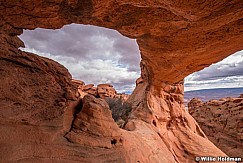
(42, 117)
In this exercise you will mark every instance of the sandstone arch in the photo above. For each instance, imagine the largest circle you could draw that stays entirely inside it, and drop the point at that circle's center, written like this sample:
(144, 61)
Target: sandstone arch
(175, 39)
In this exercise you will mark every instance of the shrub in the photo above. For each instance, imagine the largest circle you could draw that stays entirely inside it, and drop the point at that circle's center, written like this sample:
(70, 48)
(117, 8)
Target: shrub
(120, 110)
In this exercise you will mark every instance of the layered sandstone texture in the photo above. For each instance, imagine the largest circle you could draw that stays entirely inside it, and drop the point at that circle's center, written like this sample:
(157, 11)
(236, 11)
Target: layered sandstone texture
(43, 118)
(222, 122)
(101, 91)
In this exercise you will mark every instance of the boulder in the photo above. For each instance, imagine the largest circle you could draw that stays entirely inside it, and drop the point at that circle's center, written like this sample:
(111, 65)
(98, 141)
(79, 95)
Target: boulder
(106, 90)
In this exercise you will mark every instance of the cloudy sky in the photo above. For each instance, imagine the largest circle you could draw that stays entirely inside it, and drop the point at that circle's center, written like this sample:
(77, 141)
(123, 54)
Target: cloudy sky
(227, 73)
(92, 54)
(99, 55)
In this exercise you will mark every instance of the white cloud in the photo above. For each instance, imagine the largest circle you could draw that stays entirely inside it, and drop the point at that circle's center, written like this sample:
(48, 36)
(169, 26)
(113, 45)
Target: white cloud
(227, 73)
(92, 54)
(96, 71)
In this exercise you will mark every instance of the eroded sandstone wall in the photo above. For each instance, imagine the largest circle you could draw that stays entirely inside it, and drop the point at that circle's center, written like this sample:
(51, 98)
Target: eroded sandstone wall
(222, 122)
(175, 39)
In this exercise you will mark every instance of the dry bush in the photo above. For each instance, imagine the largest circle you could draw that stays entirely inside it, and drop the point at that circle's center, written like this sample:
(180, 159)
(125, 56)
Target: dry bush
(120, 110)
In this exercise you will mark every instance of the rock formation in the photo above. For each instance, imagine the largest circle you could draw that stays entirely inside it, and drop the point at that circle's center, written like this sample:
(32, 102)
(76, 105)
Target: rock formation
(42, 120)
(106, 90)
(222, 122)
(101, 91)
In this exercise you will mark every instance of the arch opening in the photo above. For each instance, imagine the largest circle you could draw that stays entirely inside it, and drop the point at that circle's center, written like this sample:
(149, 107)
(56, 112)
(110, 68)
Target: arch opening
(92, 54)
(219, 80)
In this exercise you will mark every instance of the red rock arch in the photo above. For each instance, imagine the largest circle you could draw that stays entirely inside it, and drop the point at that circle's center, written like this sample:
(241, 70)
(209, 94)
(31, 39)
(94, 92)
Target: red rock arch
(175, 39)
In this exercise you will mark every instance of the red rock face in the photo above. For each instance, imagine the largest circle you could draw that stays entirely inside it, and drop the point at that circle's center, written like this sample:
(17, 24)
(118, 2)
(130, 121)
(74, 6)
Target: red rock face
(42, 120)
(101, 91)
(106, 90)
(95, 119)
(33, 89)
(222, 122)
